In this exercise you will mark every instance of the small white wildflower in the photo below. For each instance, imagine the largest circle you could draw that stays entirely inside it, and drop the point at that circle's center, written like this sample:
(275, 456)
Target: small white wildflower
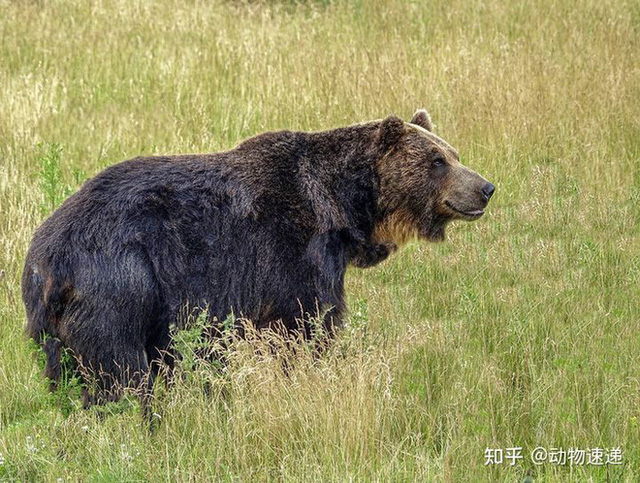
(29, 446)
(85, 429)
(125, 454)
(1, 459)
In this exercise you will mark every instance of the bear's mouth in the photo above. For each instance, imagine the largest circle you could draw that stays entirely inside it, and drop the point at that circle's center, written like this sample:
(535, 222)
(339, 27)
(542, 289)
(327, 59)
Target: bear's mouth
(468, 215)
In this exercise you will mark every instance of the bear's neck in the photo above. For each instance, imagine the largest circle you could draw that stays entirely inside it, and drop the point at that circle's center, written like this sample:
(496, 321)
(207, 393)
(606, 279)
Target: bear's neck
(343, 163)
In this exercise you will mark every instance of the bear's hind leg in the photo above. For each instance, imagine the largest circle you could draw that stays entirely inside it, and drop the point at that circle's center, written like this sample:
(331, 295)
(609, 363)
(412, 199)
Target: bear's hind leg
(109, 376)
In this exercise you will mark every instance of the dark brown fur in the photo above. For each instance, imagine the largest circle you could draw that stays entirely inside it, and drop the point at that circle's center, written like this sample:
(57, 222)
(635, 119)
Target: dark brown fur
(264, 231)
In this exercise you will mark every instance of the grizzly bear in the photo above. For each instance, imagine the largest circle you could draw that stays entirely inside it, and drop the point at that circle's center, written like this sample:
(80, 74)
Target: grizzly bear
(264, 231)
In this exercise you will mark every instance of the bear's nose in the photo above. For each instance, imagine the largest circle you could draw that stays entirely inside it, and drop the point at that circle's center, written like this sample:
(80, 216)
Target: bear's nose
(487, 191)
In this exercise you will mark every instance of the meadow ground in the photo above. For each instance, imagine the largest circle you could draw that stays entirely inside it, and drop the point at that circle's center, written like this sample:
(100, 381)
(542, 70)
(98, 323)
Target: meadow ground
(521, 330)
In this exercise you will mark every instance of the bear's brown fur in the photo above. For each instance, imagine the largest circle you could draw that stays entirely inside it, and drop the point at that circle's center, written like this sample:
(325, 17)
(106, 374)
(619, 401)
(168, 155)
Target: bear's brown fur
(264, 231)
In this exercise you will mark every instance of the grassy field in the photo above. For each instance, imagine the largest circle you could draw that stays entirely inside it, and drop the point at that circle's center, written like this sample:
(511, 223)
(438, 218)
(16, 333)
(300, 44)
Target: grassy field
(521, 330)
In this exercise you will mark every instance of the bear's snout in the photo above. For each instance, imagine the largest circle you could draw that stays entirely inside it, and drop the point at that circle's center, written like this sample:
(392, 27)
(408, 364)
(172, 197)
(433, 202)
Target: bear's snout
(469, 194)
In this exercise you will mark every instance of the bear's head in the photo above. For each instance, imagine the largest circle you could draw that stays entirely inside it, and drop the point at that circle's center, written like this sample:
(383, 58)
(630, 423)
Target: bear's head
(423, 185)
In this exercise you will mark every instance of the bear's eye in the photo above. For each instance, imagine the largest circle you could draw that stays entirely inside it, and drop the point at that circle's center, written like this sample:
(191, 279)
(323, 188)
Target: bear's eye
(438, 162)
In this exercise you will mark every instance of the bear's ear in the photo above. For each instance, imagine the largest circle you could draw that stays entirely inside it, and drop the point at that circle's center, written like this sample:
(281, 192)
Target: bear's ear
(391, 130)
(421, 118)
